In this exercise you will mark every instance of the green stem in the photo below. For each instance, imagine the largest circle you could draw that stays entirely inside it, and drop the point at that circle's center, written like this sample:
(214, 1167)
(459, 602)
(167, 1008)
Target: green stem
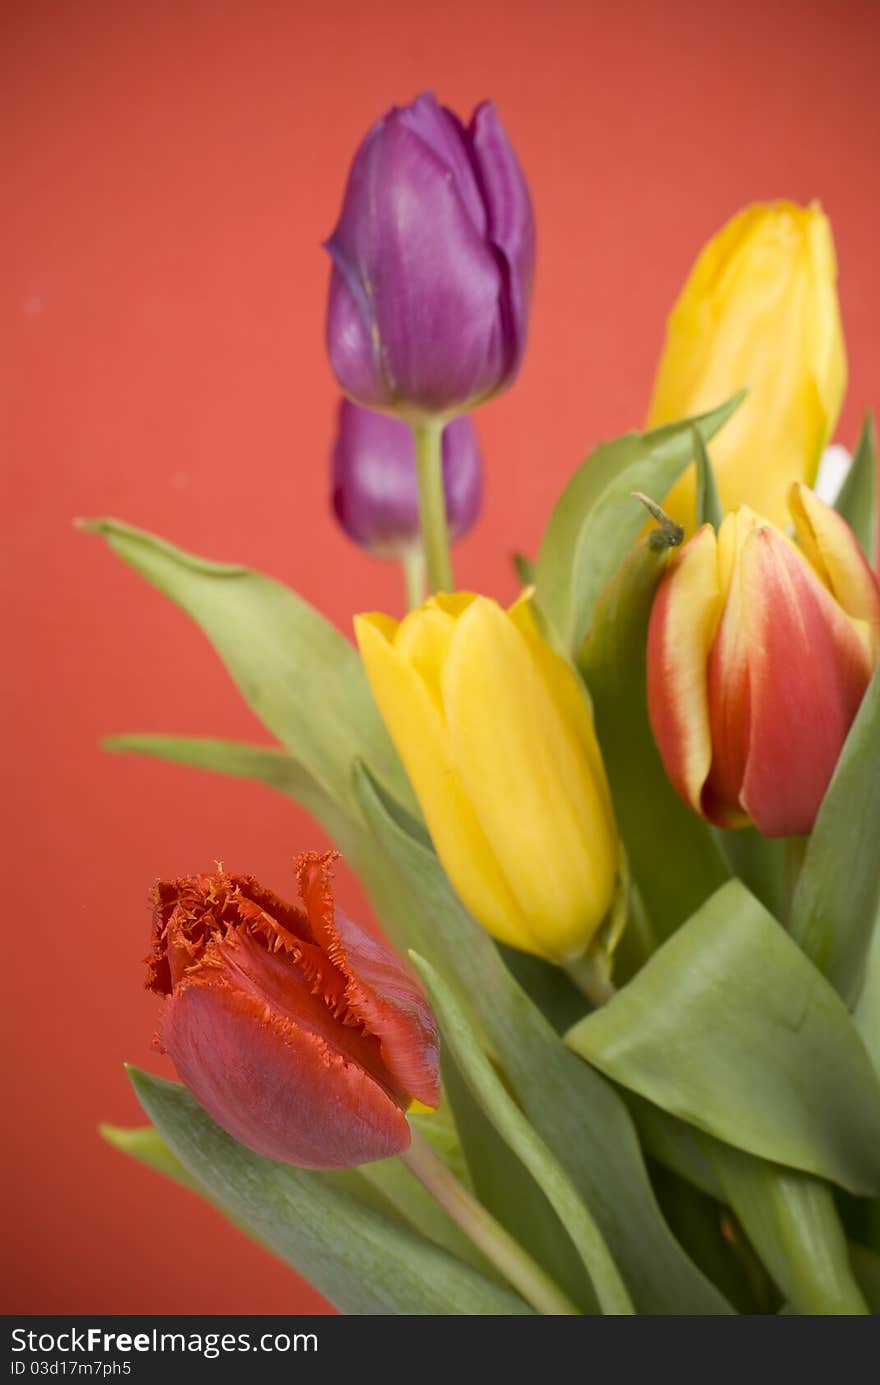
(413, 564)
(432, 504)
(488, 1235)
(592, 976)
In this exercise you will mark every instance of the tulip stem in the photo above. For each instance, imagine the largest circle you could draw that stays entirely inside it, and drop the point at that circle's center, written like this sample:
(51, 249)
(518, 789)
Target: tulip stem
(432, 504)
(592, 976)
(413, 564)
(487, 1234)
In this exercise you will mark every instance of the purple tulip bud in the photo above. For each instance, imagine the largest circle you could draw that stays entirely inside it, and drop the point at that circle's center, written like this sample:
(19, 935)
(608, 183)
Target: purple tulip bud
(433, 262)
(375, 493)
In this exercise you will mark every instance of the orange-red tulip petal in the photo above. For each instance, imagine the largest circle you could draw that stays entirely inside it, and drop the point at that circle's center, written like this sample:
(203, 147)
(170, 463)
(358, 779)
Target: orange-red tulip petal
(300, 1035)
(759, 654)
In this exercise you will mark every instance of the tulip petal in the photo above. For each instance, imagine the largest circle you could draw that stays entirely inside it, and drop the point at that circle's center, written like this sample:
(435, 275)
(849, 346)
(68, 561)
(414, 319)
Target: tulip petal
(683, 623)
(807, 674)
(407, 233)
(834, 552)
(351, 339)
(728, 689)
(521, 767)
(380, 991)
(276, 1087)
(511, 221)
(759, 310)
(566, 690)
(418, 729)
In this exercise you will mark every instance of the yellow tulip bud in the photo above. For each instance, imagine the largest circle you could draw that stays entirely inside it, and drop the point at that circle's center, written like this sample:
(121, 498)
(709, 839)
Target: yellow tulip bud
(760, 312)
(498, 742)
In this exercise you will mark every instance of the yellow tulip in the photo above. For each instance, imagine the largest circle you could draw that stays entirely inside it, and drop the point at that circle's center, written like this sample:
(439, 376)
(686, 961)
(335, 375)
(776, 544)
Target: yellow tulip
(759, 311)
(498, 742)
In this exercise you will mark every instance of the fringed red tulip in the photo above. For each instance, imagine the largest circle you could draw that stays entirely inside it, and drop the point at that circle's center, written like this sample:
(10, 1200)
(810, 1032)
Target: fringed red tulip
(759, 654)
(303, 1037)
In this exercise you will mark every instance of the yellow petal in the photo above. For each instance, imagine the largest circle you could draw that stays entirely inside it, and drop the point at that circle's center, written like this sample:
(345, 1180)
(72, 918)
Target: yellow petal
(533, 791)
(834, 553)
(565, 689)
(760, 311)
(417, 728)
(683, 625)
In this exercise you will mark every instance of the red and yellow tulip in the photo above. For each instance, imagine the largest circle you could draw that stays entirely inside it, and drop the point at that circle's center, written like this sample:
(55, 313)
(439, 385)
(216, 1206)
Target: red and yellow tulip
(759, 653)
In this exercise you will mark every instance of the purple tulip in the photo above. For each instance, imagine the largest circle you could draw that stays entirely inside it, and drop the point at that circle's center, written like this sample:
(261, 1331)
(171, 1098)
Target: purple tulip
(375, 495)
(433, 262)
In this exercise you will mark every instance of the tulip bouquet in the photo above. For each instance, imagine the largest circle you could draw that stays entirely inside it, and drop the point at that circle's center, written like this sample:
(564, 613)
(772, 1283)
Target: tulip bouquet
(624, 1056)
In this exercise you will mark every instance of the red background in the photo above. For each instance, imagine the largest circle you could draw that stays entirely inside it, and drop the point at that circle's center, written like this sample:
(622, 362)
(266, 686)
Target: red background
(172, 168)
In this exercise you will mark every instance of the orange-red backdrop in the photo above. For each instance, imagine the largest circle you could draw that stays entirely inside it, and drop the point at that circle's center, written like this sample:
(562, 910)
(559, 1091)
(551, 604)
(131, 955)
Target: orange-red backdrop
(174, 167)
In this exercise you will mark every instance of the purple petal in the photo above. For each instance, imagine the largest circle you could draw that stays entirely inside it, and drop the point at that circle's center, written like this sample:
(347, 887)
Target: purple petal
(510, 217)
(375, 494)
(350, 339)
(444, 134)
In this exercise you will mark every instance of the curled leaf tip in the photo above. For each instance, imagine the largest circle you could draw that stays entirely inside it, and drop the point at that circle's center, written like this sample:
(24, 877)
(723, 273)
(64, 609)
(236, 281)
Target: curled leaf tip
(669, 534)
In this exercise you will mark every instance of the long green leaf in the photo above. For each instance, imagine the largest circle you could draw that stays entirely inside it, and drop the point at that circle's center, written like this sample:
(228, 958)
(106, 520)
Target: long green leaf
(673, 855)
(386, 1186)
(510, 1123)
(594, 523)
(731, 1028)
(509, 1191)
(572, 1108)
(857, 501)
(361, 1260)
(790, 1217)
(867, 1012)
(793, 1224)
(708, 502)
(275, 768)
(297, 673)
(866, 1268)
(836, 907)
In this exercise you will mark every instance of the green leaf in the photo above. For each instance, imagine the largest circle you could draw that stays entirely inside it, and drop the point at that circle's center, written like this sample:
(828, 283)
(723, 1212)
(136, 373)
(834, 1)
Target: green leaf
(361, 1260)
(274, 768)
(595, 523)
(508, 1190)
(515, 1129)
(759, 862)
(547, 986)
(792, 1223)
(785, 1076)
(790, 1217)
(857, 501)
(386, 1186)
(297, 673)
(572, 1108)
(146, 1145)
(699, 1223)
(708, 503)
(676, 1145)
(867, 1012)
(866, 1268)
(672, 852)
(524, 569)
(836, 906)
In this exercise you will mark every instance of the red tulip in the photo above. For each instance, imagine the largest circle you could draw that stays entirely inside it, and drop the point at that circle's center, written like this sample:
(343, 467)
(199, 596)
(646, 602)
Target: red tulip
(301, 1036)
(759, 653)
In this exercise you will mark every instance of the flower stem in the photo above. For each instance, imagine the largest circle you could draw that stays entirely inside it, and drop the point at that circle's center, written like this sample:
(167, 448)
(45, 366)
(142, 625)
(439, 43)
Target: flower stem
(413, 564)
(432, 504)
(592, 976)
(487, 1234)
